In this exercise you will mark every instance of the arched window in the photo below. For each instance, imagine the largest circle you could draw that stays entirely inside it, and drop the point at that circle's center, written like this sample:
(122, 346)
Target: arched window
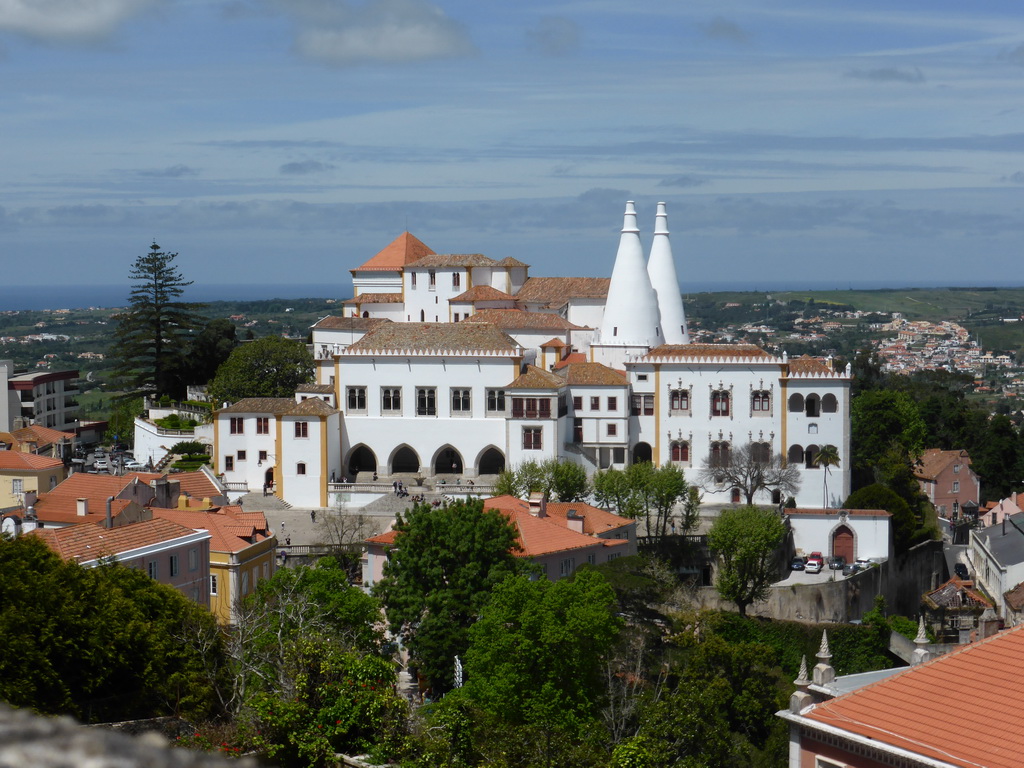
(300, 468)
(809, 454)
(761, 402)
(679, 400)
(720, 403)
(734, 496)
(720, 453)
(795, 455)
(812, 406)
(812, 429)
(829, 404)
(423, 316)
(456, 279)
(761, 452)
(796, 403)
(680, 451)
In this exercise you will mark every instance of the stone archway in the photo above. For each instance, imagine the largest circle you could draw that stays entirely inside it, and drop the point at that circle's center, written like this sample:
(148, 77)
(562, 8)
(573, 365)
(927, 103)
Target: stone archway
(362, 459)
(642, 452)
(491, 462)
(405, 459)
(448, 461)
(842, 543)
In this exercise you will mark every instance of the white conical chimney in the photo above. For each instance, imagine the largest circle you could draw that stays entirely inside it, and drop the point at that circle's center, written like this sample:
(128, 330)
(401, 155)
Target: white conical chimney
(631, 317)
(662, 270)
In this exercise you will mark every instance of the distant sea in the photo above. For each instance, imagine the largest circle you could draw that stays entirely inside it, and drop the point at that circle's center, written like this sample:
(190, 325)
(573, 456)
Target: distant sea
(79, 296)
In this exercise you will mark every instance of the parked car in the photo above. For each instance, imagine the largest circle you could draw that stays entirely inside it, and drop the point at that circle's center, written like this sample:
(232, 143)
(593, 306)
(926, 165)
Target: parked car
(813, 566)
(850, 568)
(797, 564)
(101, 465)
(134, 466)
(961, 571)
(836, 562)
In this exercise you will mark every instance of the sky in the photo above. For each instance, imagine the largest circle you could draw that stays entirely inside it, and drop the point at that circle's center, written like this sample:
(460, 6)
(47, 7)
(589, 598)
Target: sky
(797, 143)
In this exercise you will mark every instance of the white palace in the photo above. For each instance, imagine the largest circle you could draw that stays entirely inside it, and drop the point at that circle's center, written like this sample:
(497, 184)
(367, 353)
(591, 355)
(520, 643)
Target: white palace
(453, 367)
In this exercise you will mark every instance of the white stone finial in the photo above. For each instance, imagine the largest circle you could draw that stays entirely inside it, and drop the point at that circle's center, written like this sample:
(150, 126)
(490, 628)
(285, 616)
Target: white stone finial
(922, 635)
(802, 679)
(823, 651)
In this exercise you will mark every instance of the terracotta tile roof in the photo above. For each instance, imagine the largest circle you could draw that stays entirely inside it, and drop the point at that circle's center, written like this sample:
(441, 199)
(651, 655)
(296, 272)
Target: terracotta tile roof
(483, 293)
(387, 538)
(21, 461)
(934, 460)
(272, 405)
(64, 510)
(906, 710)
(92, 540)
(403, 250)
(595, 519)
(835, 512)
(197, 485)
(311, 406)
(508, 261)
(316, 389)
(519, 319)
(440, 260)
(429, 337)
(556, 343)
(593, 374)
(808, 364)
(374, 298)
(230, 527)
(956, 594)
(570, 359)
(708, 351)
(538, 535)
(333, 322)
(549, 290)
(1015, 597)
(41, 435)
(537, 378)
(82, 485)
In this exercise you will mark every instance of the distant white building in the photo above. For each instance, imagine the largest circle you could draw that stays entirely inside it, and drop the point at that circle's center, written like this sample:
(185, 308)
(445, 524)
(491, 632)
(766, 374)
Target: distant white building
(458, 366)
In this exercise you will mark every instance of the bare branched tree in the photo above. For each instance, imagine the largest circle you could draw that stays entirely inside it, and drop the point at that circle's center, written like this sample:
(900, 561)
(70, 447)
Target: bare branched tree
(751, 468)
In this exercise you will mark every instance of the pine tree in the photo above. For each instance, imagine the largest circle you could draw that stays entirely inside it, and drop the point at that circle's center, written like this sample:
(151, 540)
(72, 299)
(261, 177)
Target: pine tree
(152, 334)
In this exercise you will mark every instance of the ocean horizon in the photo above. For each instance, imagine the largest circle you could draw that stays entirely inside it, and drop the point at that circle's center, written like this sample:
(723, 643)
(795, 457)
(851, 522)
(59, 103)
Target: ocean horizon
(39, 297)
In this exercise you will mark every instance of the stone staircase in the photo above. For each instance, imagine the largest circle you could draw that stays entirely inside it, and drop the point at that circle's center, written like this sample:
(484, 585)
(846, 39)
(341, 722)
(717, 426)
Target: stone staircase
(260, 503)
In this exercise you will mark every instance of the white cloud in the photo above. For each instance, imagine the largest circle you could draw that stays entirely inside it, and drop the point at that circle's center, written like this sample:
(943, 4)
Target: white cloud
(67, 20)
(343, 34)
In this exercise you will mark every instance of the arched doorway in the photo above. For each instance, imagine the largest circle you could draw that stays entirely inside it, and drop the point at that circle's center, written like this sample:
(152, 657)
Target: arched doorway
(492, 462)
(361, 460)
(842, 543)
(448, 462)
(642, 452)
(405, 460)
(268, 478)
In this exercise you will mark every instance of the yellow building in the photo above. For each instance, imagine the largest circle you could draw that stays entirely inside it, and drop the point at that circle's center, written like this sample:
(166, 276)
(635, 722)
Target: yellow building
(242, 549)
(21, 473)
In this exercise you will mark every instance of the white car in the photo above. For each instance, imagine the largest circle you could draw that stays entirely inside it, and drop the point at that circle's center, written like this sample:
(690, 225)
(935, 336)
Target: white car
(101, 465)
(133, 466)
(813, 566)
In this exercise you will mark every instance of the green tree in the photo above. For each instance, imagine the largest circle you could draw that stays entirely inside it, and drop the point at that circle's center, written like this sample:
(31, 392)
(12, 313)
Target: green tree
(667, 487)
(207, 351)
(152, 334)
(878, 496)
(746, 541)
(121, 421)
(878, 420)
(269, 367)
(560, 479)
(642, 489)
(827, 457)
(444, 564)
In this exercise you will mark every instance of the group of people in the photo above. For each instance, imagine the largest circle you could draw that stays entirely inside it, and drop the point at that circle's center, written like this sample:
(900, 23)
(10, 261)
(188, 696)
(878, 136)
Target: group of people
(400, 489)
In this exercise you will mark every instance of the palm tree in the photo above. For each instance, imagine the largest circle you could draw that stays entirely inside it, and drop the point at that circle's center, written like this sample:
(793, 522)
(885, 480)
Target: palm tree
(827, 456)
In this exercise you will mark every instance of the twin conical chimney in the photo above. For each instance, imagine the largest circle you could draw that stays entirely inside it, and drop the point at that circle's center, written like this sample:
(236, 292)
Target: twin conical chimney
(662, 270)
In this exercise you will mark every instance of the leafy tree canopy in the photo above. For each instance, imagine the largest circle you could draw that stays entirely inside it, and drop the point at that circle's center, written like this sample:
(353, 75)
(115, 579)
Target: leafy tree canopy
(653, 493)
(440, 574)
(269, 367)
(746, 540)
(152, 334)
(878, 496)
(560, 479)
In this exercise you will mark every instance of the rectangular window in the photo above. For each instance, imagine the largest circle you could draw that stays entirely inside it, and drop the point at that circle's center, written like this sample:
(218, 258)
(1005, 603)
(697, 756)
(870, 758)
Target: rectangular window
(357, 398)
(956, 469)
(577, 430)
(461, 401)
(245, 583)
(302, 429)
(213, 584)
(432, 279)
(263, 456)
(495, 400)
(618, 455)
(532, 439)
(679, 400)
(577, 403)
(567, 566)
(613, 403)
(595, 403)
(642, 404)
(154, 569)
(17, 485)
(174, 565)
(193, 559)
(237, 425)
(262, 425)
(956, 486)
(229, 463)
(300, 468)
(241, 455)
(426, 401)
(592, 559)
(456, 279)
(391, 399)
(412, 280)
(720, 404)
(613, 430)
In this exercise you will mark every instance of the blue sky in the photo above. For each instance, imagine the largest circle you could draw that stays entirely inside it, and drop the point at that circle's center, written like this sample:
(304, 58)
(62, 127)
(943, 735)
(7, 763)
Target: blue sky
(286, 141)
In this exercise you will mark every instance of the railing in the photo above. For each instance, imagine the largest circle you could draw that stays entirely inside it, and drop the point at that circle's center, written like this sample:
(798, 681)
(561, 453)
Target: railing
(236, 486)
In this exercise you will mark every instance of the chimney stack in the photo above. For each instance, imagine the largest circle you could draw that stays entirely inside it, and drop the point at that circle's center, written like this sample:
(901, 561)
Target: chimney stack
(82, 507)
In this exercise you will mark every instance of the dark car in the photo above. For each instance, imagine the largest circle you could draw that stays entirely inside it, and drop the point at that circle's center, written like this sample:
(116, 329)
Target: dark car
(797, 564)
(961, 571)
(836, 562)
(850, 568)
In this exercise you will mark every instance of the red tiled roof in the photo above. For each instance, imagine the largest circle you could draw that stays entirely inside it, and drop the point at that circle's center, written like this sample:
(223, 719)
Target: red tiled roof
(404, 249)
(593, 374)
(537, 378)
(539, 535)
(521, 319)
(808, 364)
(549, 290)
(229, 526)
(595, 519)
(482, 293)
(934, 460)
(90, 541)
(41, 435)
(909, 710)
(21, 461)
(704, 351)
(196, 485)
(441, 260)
(431, 337)
(570, 359)
(374, 298)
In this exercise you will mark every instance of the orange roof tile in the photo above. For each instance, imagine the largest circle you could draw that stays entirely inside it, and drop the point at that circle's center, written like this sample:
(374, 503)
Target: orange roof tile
(537, 378)
(593, 374)
(548, 290)
(571, 358)
(403, 250)
(231, 529)
(374, 298)
(705, 351)
(90, 541)
(521, 319)
(432, 337)
(906, 710)
(20, 461)
(42, 435)
(934, 460)
(808, 364)
(595, 519)
(441, 260)
(197, 485)
(483, 293)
